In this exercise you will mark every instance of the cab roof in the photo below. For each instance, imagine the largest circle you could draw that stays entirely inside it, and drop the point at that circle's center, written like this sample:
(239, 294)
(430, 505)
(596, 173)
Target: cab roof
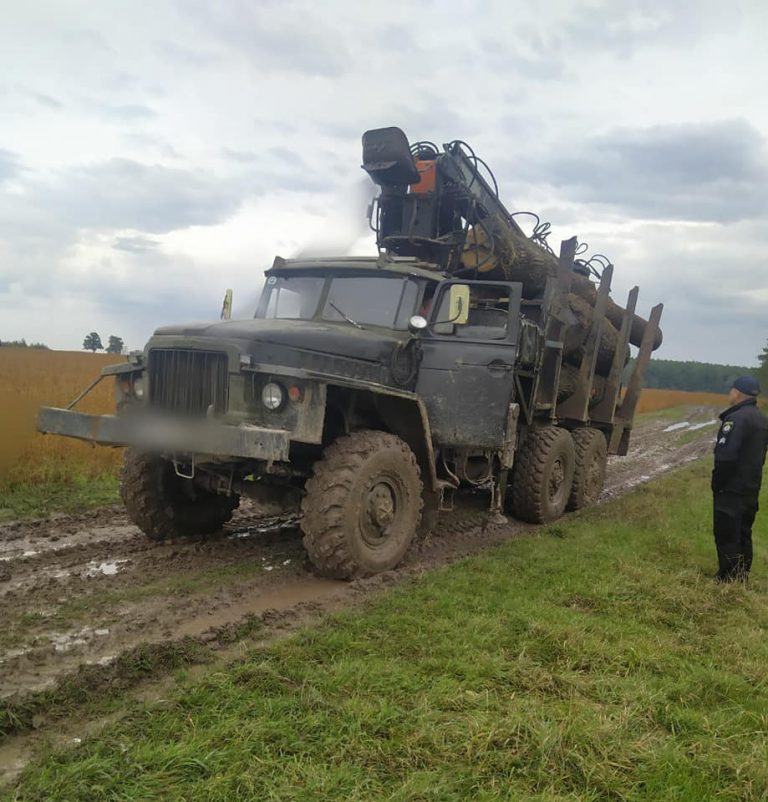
(403, 266)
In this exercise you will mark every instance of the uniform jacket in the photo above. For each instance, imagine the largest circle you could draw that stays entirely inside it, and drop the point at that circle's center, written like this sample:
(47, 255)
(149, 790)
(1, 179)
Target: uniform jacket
(740, 449)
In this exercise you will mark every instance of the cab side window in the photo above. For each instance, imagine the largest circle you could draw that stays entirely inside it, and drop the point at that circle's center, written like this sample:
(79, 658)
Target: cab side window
(488, 316)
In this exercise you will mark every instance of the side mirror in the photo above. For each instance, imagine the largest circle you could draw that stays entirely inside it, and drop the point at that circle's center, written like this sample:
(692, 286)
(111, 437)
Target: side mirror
(458, 304)
(226, 307)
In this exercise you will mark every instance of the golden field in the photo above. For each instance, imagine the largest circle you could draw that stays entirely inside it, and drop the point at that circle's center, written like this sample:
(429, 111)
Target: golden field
(654, 400)
(31, 378)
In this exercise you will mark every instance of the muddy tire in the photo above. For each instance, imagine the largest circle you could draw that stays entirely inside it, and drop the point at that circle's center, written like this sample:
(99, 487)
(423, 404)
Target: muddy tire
(362, 506)
(163, 505)
(589, 476)
(543, 475)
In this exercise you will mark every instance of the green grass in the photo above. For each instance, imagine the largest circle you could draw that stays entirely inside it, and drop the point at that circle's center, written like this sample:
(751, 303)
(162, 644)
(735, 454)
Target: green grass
(597, 661)
(37, 500)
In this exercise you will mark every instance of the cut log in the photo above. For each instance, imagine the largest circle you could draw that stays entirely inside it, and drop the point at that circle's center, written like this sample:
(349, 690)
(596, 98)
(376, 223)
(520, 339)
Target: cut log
(569, 376)
(576, 336)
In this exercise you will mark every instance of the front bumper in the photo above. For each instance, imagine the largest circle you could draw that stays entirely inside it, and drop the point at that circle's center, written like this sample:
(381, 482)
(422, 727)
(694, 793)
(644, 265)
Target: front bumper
(170, 436)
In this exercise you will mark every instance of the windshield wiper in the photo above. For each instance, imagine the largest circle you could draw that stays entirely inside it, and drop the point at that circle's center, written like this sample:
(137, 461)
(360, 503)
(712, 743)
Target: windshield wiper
(346, 317)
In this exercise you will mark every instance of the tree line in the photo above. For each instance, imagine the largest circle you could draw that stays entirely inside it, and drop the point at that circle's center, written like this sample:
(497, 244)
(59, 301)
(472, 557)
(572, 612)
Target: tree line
(22, 343)
(701, 377)
(762, 371)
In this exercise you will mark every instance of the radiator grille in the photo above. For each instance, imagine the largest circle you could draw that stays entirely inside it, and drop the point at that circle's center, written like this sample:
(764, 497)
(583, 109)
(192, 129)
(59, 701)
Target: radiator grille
(188, 382)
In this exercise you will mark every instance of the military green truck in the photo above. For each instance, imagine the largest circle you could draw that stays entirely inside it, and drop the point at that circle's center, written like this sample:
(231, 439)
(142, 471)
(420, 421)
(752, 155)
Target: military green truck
(368, 390)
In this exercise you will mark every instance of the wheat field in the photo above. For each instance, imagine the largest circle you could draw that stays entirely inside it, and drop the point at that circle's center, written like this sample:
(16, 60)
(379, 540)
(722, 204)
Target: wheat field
(655, 400)
(30, 379)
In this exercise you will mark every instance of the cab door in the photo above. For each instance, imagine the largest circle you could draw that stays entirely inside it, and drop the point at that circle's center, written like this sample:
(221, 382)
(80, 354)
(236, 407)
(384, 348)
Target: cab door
(467, 373)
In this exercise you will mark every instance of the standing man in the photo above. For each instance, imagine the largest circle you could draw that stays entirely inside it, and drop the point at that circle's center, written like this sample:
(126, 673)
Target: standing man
(739, 457)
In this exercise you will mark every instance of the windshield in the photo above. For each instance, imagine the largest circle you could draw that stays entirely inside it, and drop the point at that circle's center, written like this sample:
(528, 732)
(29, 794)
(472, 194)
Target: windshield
(293, 297)
(387, 301)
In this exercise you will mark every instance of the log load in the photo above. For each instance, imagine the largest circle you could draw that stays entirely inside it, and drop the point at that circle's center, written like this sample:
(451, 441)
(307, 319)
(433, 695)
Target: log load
(510, 256)
(576, 336)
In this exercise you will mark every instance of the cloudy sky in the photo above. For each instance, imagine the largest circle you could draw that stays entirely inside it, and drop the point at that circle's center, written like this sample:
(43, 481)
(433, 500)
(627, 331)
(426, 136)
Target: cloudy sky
(152, 155)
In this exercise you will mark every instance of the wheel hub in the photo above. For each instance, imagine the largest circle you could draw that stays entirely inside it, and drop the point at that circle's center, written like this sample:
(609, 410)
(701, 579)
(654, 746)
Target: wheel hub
(378, 512)
(556, 479)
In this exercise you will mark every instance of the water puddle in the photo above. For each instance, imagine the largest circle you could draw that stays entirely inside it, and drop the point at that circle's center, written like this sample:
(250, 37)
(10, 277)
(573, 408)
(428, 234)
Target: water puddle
(695, 426)
(266, 527)
(276, 565)
(10, 654)
(309, 589)
(109, 568)
(691, 427)
(677, 426)
(67, 641)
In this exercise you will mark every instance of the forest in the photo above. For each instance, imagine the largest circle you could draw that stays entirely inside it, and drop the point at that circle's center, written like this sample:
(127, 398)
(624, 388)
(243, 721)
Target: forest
(668, 374)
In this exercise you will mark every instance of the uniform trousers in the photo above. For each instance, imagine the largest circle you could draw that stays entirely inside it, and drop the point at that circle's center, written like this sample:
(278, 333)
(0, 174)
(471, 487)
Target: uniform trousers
(733, 517)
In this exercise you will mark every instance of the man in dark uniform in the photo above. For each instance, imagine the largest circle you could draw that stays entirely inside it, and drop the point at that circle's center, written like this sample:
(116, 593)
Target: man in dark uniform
(739, 457)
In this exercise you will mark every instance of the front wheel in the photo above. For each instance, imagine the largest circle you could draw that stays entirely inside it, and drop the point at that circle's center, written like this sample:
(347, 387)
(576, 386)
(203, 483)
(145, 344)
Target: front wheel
(362, 506)
(543, 475)
(163, 505)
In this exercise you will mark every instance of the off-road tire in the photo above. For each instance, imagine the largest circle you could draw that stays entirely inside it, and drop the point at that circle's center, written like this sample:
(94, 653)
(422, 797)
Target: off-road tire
(349, 529)
(165, 506)
(543, 475)
(591, 458)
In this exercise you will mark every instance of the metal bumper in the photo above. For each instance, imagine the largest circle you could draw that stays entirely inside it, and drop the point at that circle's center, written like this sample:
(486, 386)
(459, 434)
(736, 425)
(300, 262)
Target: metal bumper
(167, 435)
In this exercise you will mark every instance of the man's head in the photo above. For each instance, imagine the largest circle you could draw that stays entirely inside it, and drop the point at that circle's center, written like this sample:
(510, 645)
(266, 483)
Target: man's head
(743, 388)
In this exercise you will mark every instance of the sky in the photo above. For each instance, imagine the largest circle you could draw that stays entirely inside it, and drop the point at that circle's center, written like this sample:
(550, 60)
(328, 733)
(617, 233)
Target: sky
(154, 155)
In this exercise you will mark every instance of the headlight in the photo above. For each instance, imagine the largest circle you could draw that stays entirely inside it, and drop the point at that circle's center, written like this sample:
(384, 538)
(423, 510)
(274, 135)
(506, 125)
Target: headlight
(138, 387)
(417, 323)
(272, 395)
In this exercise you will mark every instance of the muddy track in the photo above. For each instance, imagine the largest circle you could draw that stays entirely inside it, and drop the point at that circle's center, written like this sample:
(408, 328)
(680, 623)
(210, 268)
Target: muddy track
(83, 589)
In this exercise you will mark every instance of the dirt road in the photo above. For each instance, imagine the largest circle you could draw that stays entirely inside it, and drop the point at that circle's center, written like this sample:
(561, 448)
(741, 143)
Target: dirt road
(82, 589)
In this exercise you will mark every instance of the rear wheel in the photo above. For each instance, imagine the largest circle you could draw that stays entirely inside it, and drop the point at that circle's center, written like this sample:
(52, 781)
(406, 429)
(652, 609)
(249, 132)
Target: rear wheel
(362, 507)
(543, 474)
(163, 505)
(589, 476)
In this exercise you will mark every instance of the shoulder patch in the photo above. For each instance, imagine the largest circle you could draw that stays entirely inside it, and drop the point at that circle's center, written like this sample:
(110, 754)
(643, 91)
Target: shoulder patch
(727, 426)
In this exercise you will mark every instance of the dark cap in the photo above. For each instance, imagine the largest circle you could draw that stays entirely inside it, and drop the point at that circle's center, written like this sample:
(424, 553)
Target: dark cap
(747, 385)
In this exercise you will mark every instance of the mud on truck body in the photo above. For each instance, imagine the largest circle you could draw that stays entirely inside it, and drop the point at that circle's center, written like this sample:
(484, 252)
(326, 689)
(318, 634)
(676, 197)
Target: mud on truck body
(367, 390)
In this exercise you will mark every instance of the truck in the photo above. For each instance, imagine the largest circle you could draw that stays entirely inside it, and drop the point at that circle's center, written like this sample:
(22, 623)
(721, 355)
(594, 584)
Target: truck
(365, 391)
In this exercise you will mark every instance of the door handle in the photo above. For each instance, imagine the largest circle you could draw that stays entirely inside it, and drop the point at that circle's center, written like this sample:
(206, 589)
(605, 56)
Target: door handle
(499, 366)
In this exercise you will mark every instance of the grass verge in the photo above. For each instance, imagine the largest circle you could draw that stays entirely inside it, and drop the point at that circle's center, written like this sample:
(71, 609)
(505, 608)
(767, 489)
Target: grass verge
(595, 662)
(39, 499)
